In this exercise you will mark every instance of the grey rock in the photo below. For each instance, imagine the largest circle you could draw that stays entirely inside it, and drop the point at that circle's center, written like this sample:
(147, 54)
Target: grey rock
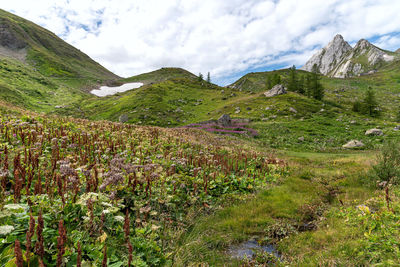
(338, 59)
(292, 110)
(397, 128)
(8, 37)
(353, 144)
(123, 118)
(225, 120)
(278, 89)
(301, 139)
(374, 131)
(326, 58)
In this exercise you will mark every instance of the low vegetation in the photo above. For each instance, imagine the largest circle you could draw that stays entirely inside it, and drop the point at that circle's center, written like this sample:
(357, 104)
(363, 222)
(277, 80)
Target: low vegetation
(75, 191)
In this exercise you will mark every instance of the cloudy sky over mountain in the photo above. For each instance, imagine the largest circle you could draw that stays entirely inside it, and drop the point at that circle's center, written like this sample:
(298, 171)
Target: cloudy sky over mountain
(226, 37)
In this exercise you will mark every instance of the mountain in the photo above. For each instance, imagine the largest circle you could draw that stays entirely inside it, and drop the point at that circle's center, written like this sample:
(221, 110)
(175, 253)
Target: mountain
(29, 43)
(39, 71)
(339, 60)
(330, 56)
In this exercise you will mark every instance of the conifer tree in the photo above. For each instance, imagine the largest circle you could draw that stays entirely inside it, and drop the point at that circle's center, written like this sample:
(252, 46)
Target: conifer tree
(370, 104)
(268, 83)
(292, 82)
(300, 86)
(200, 77)
(208, 77)
(316, 86)
(276, 79)
(307, 85)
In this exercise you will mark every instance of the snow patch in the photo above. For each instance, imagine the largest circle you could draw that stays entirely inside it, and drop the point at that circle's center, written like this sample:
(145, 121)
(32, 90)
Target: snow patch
(106, 90)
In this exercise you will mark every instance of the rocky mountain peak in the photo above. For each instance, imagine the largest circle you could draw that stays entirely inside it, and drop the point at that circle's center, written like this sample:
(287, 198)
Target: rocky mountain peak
(327, 58)
(362, 44)
(338, 59)
(338, 37)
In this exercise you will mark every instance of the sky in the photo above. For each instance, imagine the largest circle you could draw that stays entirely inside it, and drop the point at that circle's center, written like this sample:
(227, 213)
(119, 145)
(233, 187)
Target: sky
(227, 38)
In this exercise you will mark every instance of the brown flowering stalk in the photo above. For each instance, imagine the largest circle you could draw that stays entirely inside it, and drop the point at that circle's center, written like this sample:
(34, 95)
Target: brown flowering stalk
(104, 263)
(126, 225)
(40, 240)
(102, 221)
(61, 242)
(130, 250)
(79, 258)
(18, 254)
(29, 235)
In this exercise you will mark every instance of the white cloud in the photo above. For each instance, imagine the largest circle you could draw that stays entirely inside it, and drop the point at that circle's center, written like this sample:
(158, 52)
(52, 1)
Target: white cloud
(220, 36)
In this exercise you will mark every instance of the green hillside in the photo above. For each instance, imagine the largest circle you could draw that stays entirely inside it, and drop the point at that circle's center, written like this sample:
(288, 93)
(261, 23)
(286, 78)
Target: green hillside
(39, 71)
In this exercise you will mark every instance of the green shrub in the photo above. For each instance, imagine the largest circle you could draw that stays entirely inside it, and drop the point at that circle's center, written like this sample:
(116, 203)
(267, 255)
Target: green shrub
(387, 168)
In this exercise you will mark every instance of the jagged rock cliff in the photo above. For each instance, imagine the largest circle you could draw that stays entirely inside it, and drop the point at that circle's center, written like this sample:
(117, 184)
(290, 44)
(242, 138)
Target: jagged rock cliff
(330, 56)
(338, 59)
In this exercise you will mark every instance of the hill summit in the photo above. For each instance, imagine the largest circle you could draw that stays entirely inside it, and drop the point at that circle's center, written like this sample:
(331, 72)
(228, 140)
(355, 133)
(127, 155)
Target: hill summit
(338, 59)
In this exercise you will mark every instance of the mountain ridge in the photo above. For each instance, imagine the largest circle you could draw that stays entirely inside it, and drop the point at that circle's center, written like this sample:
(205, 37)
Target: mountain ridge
(339, 60)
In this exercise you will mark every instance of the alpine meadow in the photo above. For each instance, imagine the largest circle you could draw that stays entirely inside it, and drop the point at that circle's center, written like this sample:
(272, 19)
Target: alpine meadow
(280, 166)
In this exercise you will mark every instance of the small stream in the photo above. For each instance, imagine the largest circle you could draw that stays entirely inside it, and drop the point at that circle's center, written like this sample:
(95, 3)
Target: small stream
(249, 248)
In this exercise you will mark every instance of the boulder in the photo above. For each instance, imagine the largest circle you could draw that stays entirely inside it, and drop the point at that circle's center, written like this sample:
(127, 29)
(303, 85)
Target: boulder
(397, 128)
(374, 131)
(301, 139)
(292, 110)
(225, 120)
(278, 89)
(123, 118)
(353, 144)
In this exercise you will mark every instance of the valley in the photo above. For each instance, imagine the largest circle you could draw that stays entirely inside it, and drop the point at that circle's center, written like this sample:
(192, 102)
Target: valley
(168, 169)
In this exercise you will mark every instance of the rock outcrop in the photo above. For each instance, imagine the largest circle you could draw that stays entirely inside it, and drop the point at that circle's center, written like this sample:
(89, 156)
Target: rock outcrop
(374, 131)
(338, 59)
(8, 37)
(225, 120)
(353, 144)
(278, 89)
(329, 57)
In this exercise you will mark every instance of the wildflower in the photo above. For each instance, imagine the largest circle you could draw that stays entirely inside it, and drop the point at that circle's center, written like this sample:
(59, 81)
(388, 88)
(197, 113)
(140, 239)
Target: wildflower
(119, 218)
(18, 254)
(104, 263)
(29, 235)
(6, 229)
(364, 209)
(79, 257)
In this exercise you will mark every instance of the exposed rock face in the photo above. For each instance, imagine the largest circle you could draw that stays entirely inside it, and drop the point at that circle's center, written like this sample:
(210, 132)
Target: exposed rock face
(278, 89)
(8, 38)
(225, 120)
(338, 59)
(353, 144)
(374, 131)
(328, 57)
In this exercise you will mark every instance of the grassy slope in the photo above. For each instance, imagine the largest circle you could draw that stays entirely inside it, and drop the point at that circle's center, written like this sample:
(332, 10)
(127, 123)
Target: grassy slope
(171, 97)
(53, 73)
(303, 196)
(324, 125)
